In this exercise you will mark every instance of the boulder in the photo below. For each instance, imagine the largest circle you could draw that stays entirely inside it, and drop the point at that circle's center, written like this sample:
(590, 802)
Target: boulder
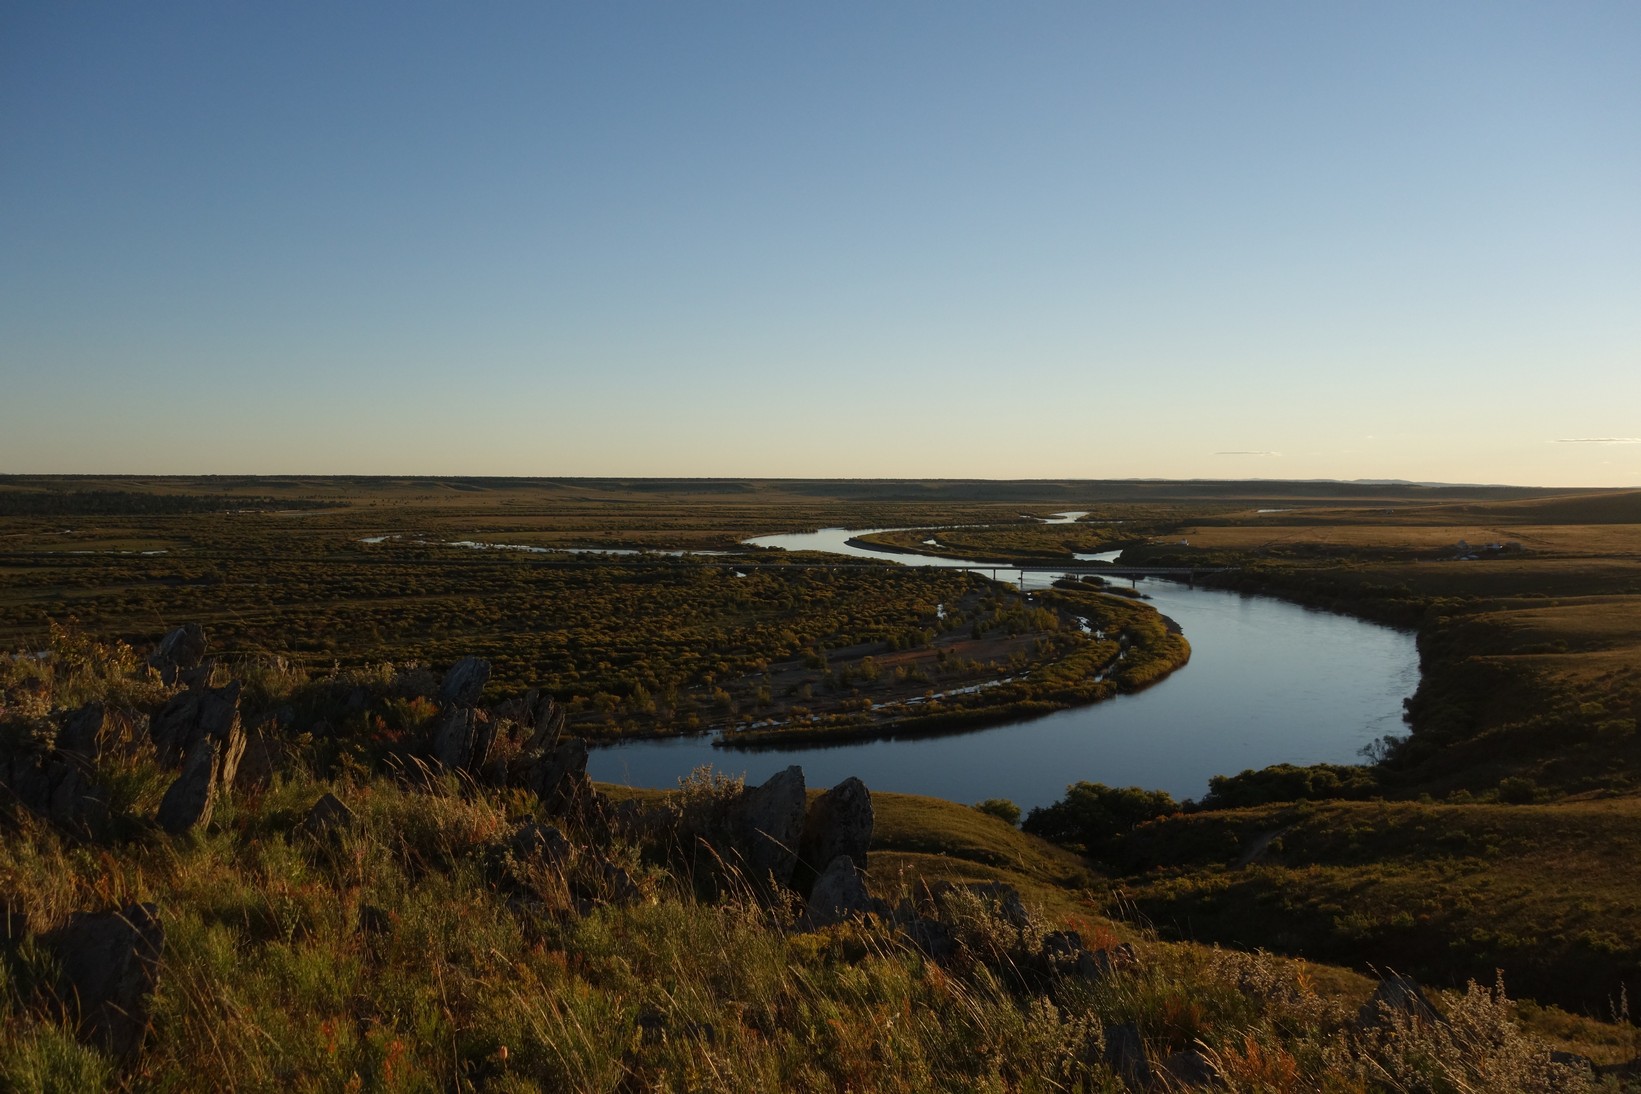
(179, 652)
(770, 821)
(189, 800)
(463, 683)
(196, 713)
(1189, 1067)
(463, 739)
(839, 822)
(559, 776)
(839, 892)
(1125, 1054)
(328, 815)
(1399, 995)
(109, 963)
(542, 843)
(59, 786)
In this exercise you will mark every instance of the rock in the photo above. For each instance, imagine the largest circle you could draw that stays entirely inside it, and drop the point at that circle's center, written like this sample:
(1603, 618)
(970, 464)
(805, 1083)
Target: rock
(178, 652)
(839, 822)
(328, 815)
(839, 892)
(771, 822)
(998, 898)
(200, 712)
(109, 963)
(264, 755)
(85, 732)
(1189, 1067)
(1397, 994)
(189, 800)
(532, 841)
(463, 683)
(462, 741)
(559, 777)
(59, 786)
(1125, 1054)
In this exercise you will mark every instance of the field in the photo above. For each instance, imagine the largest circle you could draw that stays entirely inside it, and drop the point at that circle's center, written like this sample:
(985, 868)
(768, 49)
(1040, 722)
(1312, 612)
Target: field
(1499, 833)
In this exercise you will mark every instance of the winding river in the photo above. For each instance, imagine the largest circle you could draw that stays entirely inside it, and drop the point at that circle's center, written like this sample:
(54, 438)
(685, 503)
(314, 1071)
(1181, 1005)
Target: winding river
(1268, 682)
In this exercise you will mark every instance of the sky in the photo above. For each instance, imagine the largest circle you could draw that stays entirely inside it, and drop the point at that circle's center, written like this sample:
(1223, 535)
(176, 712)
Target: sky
(1031, 240)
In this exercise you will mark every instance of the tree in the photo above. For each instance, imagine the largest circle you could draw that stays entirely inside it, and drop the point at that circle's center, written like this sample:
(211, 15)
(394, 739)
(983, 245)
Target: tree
(1091, 815)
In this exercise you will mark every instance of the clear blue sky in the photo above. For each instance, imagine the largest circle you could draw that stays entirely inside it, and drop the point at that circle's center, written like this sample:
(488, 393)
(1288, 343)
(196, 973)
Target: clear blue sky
(1387, 240)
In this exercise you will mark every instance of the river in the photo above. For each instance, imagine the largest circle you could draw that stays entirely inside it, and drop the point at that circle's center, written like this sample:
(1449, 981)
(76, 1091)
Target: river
(1268, 682)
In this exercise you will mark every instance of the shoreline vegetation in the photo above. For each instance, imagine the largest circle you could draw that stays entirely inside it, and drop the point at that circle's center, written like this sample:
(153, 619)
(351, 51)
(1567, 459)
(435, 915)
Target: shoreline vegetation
(1497, 833)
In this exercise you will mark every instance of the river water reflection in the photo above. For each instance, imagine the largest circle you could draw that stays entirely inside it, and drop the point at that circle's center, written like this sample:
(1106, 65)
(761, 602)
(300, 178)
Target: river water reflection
(1268, 682)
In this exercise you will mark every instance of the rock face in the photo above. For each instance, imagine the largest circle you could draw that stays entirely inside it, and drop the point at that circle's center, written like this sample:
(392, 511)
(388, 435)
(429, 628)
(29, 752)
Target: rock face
(109, 962)
(59, 786)
(197, 713)
(1397, 994)
(771, 822)
(463, 683)
(839, 893)
(93, 730)
(543, 843)
(839, 823)
(179, 653)
(559, 776)
(462, 741)
(327, 815)
(207, 771)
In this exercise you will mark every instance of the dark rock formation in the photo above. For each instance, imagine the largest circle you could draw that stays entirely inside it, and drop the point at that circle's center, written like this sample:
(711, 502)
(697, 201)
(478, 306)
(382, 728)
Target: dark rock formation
(179, 653)
(1125, 1054)
(109, 964)
(94, 730)
(535, 842)
(839, 823)
(1398, 995)
(771, 824)
(189, 800)
(58, 786)
(559, 777)
(327, 816)
(196, 713)
(839, 892)
(1189, 1067)
(463, 739)
(464, 682)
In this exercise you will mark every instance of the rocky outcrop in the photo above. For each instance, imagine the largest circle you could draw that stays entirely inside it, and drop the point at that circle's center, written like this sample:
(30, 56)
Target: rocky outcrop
(109, 964)
(559, 777)
(60, 786)
(463, 738)
(95, 730)
(327, 817)
(533, 842)
(1397, 994)
(770, 820)
(207, 772)
(839, 822)
(839, 893)
(464, 682)
(180, 654)
(198, 713)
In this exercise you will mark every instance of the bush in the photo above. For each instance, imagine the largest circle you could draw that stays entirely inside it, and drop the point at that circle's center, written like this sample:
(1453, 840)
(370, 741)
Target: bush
(1092, 814)
(1001, 808)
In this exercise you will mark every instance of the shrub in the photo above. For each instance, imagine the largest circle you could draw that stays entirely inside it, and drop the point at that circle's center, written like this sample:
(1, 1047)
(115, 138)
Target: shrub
(1001, 808)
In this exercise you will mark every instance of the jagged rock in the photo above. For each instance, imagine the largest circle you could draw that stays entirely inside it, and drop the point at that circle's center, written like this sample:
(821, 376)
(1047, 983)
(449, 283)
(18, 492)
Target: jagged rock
(196, 713)
(189, 800)
(109, 963)
(262, 757)
(771, 819)
(928, 934)
(1397, 994)
(92, 730)
(534, 841)
(179, 652)
(463, 683)
(607, 883)
(839, 822)
(462, 741)
(559, 777)
(839, 893)
(328, 815)
(59, 786)
(1189, 1067)
(1125, 1054)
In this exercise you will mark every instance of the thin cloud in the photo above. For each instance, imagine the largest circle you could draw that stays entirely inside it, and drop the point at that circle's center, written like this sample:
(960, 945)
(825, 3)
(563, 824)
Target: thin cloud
(1247, 453)
(1598, 440)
